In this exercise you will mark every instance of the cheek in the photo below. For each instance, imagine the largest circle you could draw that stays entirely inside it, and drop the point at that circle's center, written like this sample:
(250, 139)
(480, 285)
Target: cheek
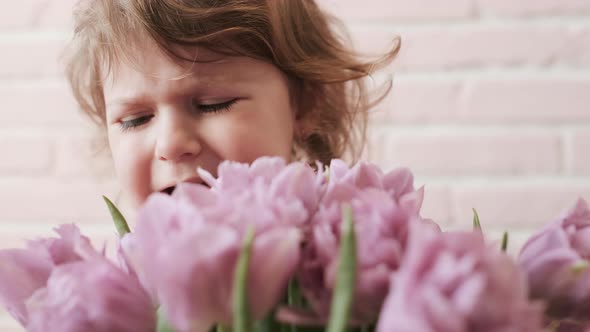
(249, 139)
(132, 165)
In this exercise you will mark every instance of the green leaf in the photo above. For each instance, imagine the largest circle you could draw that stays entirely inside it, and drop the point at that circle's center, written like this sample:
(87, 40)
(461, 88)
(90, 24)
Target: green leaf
(294, 295)
(476, 223)
(505, 241)
(269, 324)
(294, 298)
(221, 328)
(242, 322)
(118, 219)
(163, 325)
(345, 280)
(579, 267)
(310, 329)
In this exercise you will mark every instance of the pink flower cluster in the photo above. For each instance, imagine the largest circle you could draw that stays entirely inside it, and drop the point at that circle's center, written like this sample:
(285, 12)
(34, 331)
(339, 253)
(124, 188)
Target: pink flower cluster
(410, 276)
(453, 282)
(64, 284)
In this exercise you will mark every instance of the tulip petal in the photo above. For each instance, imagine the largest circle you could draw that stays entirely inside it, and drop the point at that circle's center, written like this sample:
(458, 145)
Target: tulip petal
(22, 272)
(275, 253)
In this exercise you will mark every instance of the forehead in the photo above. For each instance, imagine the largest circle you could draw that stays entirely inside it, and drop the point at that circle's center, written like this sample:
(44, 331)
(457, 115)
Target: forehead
(150, 73)
(150, 62)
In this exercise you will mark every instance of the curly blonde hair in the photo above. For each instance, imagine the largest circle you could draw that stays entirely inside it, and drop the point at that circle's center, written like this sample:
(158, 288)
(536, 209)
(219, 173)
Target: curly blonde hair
(328, 80)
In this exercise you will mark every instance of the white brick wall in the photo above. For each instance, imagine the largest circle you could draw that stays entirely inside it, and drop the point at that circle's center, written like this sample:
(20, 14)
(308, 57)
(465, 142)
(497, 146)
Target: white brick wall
(490, 104)
(490, 108)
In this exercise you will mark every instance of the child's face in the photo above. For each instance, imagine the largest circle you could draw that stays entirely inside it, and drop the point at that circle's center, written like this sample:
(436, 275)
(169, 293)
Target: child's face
(164, 120)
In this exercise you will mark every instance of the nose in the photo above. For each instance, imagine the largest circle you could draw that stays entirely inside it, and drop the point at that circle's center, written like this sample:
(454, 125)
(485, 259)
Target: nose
(178, 139)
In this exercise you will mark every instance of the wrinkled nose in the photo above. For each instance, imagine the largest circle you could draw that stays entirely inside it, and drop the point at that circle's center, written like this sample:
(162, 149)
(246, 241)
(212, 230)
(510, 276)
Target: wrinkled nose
(178, 140)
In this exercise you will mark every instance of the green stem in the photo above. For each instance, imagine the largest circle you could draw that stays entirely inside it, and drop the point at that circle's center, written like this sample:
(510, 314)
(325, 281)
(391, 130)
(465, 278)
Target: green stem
(163, 325)
(346, 279)
(242, 321)
(221, 328)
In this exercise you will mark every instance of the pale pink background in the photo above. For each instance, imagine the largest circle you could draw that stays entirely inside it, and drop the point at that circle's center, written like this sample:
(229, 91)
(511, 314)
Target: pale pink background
(490, 108)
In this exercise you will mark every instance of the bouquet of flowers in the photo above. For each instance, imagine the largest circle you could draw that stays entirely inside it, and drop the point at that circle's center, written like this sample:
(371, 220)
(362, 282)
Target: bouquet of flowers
(273, 246)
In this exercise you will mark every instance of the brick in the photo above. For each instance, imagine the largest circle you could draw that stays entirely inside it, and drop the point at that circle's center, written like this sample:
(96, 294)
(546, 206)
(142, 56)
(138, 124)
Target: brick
(420, 101)
(580, 153)
(39, 105)
(449, 47)
(12, 16)
(472, 153)
(373, 147)
(515, 205)
(478, 47)
(9, 324)
(576, 51)
(379, 89)
(375, 140)
(36, 14)
(533, 7)
(510, 100)
(543, 100)
(83, 155)
(58, 13)
(26, 155)
(437, 204)
(27, 58)
(31, 200)
(398, 9)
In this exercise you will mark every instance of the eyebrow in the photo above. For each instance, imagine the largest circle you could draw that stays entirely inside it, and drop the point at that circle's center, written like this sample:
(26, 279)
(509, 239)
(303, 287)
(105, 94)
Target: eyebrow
(189, 84)
(197, 76)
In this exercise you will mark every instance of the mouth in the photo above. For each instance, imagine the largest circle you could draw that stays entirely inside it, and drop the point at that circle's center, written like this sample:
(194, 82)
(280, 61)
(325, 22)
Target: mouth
(169, 190)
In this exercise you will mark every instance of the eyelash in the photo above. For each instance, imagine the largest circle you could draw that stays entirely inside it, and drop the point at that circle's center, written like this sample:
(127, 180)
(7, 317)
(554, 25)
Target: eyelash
(205, 109)
(216, 108)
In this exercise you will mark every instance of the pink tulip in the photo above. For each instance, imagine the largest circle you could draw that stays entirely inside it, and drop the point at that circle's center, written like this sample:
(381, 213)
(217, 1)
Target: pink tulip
(269, 175)
(233, 175)
(23, 271)
(397, 183)
(90, 296)
(453, 282)
(186, 248)
(556, 262)
(343, 182)
(383, 206)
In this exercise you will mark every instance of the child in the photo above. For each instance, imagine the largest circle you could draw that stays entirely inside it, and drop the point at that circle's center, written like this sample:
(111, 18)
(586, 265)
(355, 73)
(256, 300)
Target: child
(181, 84)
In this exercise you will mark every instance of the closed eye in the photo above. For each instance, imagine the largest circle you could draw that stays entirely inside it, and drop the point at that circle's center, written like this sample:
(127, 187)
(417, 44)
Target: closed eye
(218, 107)
(135, 122)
